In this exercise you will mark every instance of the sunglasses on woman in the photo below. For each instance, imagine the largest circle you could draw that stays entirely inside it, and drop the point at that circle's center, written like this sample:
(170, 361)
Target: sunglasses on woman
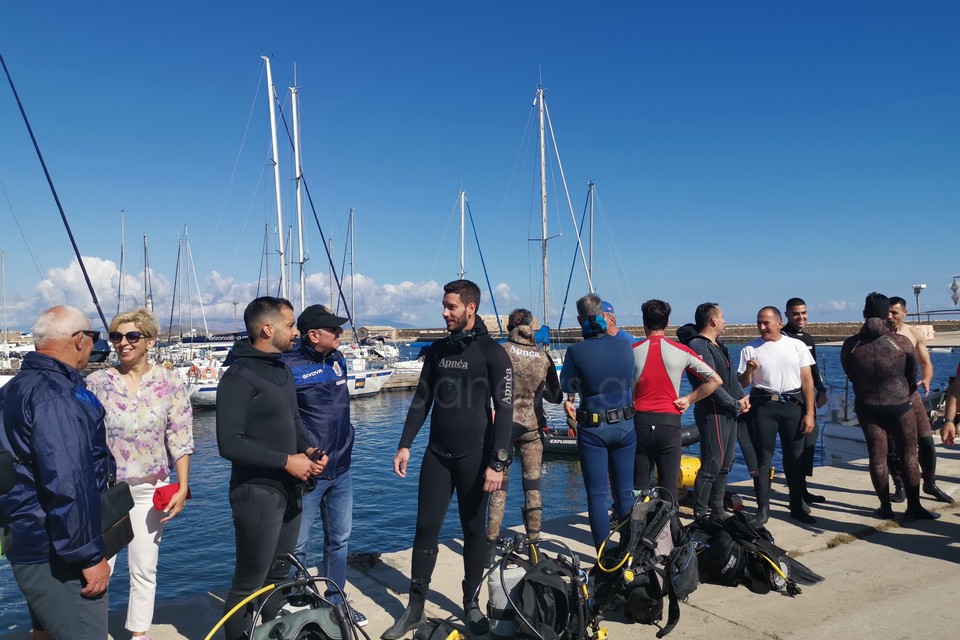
(133, 337)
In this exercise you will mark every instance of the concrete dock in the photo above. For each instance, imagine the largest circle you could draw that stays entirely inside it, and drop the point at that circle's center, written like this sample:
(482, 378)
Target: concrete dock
(884, 579)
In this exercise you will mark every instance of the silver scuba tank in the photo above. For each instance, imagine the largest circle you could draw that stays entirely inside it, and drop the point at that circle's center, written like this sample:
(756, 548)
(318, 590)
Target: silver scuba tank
(499, 610)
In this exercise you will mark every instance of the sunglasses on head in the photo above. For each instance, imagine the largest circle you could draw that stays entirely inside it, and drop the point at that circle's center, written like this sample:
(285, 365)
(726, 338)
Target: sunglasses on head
(132, 337)
(94, 335)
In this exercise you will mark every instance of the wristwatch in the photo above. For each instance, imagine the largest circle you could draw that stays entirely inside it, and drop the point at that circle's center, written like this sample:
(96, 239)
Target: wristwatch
(501, 458)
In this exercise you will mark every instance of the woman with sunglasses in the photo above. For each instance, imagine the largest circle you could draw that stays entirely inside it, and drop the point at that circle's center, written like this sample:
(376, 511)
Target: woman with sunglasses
(149, 426)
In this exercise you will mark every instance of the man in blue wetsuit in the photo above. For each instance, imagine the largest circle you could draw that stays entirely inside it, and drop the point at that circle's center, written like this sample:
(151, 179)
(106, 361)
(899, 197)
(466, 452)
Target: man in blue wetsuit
(600, 369)
(320, 373)
(468, 448)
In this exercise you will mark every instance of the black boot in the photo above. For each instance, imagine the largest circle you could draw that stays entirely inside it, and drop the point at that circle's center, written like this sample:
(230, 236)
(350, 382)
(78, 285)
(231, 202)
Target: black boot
(761, 488)
(931, 489)
(473, 618)
(899, 492)
(413, 616)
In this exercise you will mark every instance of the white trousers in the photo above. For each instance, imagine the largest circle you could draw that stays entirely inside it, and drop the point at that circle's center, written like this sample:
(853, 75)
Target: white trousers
(142, 554)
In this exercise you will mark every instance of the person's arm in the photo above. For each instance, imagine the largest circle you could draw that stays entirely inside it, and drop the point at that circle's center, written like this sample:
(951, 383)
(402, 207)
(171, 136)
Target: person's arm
(948, 432)
(179, 441)
(809, 421)
(416, 416)
(179, 499)
(748, 364)
(551, 390)
(923, 356)
(817, 378)
(569, 383)
(234, 395)
(720, 395)
(711, 381)
(500, 379)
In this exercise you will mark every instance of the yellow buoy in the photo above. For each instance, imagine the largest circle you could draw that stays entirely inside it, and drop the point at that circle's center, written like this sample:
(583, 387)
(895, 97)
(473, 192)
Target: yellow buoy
(689, 466)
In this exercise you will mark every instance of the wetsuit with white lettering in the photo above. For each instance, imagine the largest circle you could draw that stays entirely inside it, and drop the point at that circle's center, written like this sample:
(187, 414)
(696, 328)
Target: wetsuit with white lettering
(461, 375)
(659, 367)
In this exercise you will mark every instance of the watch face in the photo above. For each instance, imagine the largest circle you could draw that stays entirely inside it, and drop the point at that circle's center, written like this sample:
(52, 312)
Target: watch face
(502, 455)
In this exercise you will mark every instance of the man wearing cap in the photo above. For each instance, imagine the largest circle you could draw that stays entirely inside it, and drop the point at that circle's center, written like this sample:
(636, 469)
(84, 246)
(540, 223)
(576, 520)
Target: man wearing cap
(320, 373)
(610, 316)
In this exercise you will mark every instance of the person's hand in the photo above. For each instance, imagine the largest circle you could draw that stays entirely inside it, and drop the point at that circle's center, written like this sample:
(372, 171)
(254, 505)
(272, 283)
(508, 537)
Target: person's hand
(95, 579)
(400, 462)
(744, 403)
(320, 464)
(301, 467)
(176, 504)
(923, 385)
(821, 398)
(682, 403)
(948, 432)
(753, 365)
(492, 480)
(808, 424)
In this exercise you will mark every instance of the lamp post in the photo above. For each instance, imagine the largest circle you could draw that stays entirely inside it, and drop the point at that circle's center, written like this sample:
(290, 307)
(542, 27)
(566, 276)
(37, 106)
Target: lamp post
(917, 288)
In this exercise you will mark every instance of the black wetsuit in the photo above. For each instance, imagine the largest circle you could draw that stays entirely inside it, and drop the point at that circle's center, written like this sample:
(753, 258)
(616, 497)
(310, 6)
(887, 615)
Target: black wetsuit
(881, 365)
(810, 439)
(258, 426)
(461, 375)
(716, 417)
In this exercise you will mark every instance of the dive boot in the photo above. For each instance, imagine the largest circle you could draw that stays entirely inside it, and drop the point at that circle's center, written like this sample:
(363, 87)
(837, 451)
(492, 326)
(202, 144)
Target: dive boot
(413, 616)
(761, 488)
(899, 493)
(473, 618)
(931, 489)
(916, 512)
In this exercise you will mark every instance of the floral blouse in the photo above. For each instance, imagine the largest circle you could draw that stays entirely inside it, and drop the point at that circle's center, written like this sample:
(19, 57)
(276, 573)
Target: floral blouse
(150, 432)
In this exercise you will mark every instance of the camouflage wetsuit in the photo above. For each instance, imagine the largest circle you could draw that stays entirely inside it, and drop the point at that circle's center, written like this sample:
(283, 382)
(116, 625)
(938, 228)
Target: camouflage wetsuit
(534, 379)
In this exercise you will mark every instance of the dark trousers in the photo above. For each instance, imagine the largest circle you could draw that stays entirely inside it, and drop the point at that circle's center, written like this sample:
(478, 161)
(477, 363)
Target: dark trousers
(657, 445)
(52, 590)
(772, 418)
(439, 478)
(266, 524)
(718, 440)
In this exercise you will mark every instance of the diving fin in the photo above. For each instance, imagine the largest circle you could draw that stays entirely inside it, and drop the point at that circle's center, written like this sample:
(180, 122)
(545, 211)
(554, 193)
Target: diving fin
(801, 572)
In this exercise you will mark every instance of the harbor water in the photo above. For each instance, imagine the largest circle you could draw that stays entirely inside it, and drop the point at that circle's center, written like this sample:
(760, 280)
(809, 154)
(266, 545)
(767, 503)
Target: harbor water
(197, 554)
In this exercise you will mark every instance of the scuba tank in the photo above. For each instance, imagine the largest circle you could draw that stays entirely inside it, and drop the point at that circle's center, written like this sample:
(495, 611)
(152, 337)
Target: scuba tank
(502, 591)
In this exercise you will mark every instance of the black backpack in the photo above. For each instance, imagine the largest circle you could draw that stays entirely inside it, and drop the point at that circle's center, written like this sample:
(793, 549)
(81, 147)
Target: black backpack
(661, 562)
(549, 602)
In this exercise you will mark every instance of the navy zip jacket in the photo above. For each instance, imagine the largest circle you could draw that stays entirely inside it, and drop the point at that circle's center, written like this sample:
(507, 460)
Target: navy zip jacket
(324, 401)
(460, 376)
(258, 424)
(54, 426)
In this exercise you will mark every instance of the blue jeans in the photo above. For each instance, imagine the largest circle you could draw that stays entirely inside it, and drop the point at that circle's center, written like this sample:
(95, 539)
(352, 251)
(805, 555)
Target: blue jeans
(333, 498)
(607, 451)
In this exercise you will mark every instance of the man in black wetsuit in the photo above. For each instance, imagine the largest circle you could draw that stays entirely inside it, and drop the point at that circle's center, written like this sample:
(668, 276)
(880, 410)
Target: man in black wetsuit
(467, 450)
(882, 366)
(796, 322)
(259, 431)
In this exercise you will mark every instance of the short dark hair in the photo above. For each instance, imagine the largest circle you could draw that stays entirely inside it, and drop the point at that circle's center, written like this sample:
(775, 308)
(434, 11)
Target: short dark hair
(794, 302)
(256, 313)
(656, 314)
(772, 309)
(898, 300)
(701, 317)
(519, 317)
(876, 305)
(466, 289)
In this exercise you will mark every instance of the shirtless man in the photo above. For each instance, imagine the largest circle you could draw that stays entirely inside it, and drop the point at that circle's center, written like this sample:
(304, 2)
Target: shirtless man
(927, 452)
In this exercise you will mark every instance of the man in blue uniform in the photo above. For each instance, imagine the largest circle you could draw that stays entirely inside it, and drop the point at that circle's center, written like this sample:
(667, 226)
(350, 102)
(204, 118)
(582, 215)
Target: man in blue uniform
(54, 427)
(320, 373)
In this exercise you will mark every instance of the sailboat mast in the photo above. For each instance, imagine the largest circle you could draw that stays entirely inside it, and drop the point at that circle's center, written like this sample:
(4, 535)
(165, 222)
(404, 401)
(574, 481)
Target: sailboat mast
(590, 188)
(120, 285)
(147, 286)
(463, 206)
(294, 103)
(3, 285)
(353, 308)
(272, 93)
(543, 209)
(330, 242)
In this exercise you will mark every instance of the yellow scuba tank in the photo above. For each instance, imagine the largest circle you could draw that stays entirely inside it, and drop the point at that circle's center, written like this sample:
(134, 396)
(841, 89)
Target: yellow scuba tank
(689, 466)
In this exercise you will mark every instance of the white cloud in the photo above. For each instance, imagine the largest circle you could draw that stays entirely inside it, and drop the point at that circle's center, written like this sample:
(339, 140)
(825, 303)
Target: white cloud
(837, 306)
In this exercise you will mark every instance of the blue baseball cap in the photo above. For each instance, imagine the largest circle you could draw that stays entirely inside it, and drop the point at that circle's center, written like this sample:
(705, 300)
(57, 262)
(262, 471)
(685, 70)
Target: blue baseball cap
(606, 307)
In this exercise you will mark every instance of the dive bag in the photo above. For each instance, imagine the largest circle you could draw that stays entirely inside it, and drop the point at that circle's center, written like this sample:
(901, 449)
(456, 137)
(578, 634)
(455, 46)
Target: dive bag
(549, 601)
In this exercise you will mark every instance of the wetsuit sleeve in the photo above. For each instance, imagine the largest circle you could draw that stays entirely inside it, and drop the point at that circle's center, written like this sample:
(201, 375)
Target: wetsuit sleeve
(552, 391)
(234, 394)
(62, 448)
(568, 375)
(304, 441)
(720, 396)
(420, 407)
(815, 370)
(500, 379)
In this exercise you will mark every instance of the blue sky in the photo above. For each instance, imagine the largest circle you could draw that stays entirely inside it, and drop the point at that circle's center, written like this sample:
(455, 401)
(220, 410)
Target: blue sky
(743, 152)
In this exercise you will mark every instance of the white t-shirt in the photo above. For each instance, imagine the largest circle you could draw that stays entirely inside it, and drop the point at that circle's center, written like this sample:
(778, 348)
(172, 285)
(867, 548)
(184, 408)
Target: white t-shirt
(780, 363)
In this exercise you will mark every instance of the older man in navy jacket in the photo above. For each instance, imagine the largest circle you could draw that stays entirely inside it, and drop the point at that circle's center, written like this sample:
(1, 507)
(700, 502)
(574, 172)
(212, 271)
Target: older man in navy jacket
(54, 428)
(320, 372)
